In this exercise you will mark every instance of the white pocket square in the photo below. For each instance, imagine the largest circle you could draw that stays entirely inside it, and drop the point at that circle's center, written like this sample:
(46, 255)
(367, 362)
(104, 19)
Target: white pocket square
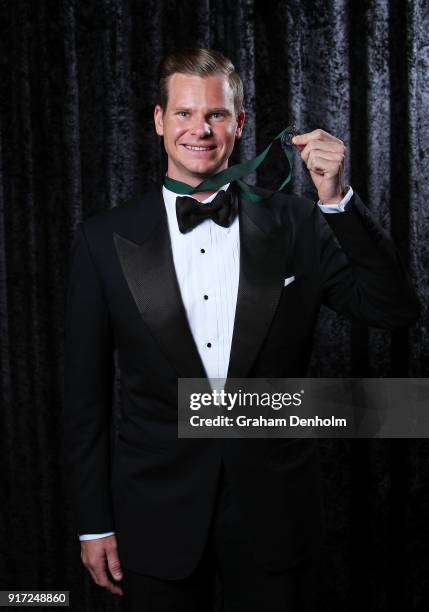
(289, 280)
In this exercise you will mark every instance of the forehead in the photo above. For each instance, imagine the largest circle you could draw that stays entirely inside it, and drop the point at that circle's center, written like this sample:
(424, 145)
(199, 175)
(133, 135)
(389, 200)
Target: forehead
(190, 90)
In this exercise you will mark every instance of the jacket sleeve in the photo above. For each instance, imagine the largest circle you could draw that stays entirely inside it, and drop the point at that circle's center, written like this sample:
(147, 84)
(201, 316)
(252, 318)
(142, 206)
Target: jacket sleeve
(88, 392)
(362, 274)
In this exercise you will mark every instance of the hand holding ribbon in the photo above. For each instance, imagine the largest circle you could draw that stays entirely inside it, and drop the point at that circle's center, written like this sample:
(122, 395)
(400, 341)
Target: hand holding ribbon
(324, 156)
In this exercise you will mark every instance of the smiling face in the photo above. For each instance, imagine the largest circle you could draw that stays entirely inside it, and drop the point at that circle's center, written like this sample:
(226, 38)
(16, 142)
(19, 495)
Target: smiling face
(199, 126)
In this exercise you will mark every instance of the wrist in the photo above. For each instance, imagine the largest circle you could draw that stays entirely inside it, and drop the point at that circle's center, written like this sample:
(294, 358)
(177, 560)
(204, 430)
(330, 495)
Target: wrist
(337, 198)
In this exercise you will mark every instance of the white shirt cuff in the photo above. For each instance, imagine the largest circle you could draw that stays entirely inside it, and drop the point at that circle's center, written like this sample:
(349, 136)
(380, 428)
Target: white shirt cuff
(336, 208)
(94, 536)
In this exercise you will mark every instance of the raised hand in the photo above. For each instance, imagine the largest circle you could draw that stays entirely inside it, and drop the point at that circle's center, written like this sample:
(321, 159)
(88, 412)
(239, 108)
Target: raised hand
(324, 156)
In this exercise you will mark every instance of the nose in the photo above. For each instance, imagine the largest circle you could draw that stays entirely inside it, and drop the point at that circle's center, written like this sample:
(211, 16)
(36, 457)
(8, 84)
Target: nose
(200, 128)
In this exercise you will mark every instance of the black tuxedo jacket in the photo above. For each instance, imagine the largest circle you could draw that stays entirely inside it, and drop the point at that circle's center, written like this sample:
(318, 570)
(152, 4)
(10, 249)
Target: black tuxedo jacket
(157, 491)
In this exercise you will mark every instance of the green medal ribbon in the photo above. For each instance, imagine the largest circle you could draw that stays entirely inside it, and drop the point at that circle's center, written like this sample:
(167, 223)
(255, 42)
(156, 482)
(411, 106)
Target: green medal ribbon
(238, 171)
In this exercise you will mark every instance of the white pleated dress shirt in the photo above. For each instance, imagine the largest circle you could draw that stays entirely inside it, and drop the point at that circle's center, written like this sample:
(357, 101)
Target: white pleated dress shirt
(207, 263)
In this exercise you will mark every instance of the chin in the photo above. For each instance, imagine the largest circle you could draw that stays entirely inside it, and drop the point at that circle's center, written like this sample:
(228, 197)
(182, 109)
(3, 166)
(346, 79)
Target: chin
(206, 169)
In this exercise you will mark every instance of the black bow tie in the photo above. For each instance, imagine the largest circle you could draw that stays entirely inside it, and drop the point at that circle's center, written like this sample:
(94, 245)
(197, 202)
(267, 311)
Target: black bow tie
(222, 210)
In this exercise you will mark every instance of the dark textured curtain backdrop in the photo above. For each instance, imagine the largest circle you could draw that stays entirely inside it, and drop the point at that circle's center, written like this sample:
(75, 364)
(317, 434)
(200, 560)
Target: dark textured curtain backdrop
(78, 86)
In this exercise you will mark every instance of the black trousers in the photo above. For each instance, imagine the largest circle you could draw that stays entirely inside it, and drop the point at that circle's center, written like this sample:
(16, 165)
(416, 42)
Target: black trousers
(244, 585)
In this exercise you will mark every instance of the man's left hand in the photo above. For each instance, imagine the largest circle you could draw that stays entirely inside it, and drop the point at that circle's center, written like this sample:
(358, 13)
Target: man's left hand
(324, 156)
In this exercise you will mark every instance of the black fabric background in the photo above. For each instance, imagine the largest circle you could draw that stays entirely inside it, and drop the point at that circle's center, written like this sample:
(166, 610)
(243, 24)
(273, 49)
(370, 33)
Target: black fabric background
(78, 85)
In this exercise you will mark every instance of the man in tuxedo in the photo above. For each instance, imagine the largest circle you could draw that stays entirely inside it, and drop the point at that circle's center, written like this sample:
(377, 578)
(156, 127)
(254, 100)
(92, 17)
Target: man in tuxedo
(213, 286)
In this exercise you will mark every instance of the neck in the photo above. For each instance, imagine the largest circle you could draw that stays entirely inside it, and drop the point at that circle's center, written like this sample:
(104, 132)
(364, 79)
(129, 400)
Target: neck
(202, 195)
(193, 182)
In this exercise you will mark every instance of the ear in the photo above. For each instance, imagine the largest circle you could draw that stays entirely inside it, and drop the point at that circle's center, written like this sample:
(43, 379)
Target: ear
(158, 120)
(240, 123)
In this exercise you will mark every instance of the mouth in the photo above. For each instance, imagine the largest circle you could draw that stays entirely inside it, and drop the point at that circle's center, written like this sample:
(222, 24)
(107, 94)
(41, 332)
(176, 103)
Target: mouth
(199, 148)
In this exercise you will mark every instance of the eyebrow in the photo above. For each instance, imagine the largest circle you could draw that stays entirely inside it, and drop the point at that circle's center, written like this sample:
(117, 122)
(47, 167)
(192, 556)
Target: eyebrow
(212, 110)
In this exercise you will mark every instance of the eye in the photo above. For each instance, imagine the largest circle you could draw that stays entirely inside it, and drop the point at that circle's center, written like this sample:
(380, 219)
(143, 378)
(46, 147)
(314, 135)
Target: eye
(183, 113)
(217, 115)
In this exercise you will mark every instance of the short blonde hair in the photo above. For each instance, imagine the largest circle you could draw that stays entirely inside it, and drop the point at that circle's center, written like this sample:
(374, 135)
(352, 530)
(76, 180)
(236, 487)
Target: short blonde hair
(203, 63)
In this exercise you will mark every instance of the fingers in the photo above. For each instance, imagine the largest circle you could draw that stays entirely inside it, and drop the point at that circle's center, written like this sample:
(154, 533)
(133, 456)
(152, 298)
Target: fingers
(114, 563)
(320, 141)
(321, 135)
(97, 569)
(329, 149)
(100, 558)
(322, 153)
(310, 156)
(327, 165)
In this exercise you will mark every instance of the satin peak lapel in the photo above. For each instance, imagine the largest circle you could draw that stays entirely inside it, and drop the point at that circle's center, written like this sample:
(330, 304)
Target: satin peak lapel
(149, 270)
(263, 255)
